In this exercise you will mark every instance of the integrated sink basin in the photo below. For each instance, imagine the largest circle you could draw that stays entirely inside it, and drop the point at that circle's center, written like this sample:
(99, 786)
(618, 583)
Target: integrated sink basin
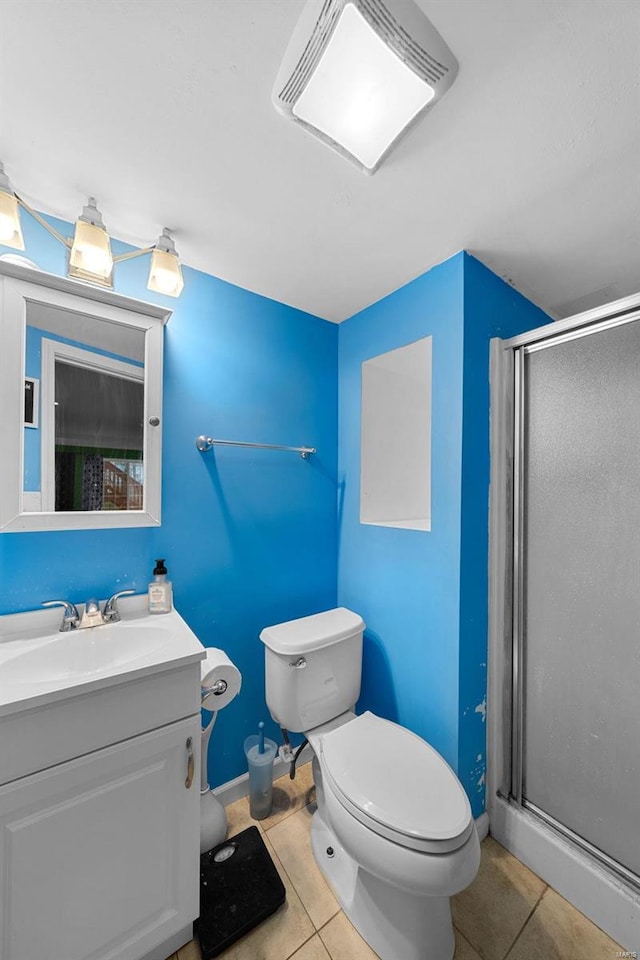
(84, 653)
(40, 662)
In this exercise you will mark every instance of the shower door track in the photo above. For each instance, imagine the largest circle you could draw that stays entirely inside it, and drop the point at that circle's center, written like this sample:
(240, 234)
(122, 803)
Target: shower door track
(589, 848)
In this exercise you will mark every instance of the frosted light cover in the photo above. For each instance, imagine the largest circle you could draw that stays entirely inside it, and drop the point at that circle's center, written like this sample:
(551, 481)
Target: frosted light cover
(10, 231)
(90, 256)
(165, 275)
(361, 94)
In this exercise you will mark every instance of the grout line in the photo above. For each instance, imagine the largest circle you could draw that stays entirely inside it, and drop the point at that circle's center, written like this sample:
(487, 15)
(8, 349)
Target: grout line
(273, 852)
(293, 887)
(301, 945)
(531, 913)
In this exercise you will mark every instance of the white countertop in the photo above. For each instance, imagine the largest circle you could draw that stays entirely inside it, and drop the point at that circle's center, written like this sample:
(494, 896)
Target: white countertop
(40, 665)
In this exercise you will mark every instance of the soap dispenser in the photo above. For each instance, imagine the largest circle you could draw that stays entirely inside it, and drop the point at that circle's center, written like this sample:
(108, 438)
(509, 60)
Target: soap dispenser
(160, 591)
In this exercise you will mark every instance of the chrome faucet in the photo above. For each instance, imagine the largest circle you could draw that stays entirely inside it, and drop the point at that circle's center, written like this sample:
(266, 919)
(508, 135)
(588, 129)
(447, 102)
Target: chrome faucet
(111, 614)
(92, 616)
(70, 617)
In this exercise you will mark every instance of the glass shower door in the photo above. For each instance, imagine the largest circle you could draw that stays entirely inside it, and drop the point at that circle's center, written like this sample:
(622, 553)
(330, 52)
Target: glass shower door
(576, 724)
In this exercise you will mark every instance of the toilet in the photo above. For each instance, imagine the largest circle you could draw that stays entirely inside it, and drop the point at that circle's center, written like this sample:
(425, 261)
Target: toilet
(393, 832)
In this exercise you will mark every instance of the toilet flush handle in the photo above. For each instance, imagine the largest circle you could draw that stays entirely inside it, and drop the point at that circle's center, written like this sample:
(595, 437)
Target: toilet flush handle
(298, 664)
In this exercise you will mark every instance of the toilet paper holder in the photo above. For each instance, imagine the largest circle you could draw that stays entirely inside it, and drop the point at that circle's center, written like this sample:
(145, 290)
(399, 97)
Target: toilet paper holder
(220, 686)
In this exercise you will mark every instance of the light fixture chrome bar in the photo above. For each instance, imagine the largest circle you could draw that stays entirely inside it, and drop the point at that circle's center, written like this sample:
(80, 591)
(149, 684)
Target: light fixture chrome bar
(205, 443)
(67, 241)
(133, 253)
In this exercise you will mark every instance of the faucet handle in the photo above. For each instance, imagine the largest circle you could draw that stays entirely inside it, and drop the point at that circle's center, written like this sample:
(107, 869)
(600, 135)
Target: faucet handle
(70, 617)
(111, 614)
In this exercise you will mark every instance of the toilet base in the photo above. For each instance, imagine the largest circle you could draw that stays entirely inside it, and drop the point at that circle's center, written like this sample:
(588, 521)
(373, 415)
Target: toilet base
(396, 924)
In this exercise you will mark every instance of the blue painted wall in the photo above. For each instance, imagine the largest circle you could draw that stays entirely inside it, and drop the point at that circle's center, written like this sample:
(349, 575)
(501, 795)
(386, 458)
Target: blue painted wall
(406, 583)
(252, 538)
(249, 537)
(424, 594)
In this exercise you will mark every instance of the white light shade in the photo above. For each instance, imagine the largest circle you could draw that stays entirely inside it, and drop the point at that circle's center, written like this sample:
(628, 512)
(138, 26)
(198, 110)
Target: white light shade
(165, 274)
(361, 94)
(90, 257)
(10, 231)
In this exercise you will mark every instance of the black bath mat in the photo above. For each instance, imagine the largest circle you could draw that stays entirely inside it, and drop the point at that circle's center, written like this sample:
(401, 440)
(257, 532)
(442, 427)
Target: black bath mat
(239, 888)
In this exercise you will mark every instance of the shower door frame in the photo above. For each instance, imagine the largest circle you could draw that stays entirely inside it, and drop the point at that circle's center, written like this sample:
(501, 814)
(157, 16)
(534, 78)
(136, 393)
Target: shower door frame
(595, 888)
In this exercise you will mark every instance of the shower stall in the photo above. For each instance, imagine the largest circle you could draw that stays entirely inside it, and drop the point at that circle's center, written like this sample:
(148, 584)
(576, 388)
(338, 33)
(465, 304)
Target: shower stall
(564, 694)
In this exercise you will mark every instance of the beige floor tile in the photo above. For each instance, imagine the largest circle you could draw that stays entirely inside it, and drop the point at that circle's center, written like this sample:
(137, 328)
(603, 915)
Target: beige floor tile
(312, 950)
(238, 817)
(190, 951)
(290, 795)
(279, 936)
(492, 911)
(464, 950)
(557, 931)
(291, 839)
(344, 942)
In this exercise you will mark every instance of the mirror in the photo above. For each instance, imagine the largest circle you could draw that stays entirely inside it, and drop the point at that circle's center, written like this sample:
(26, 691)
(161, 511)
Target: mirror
(81, 409)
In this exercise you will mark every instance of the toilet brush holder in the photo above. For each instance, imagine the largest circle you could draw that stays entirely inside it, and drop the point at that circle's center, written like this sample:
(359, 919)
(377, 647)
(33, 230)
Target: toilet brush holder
(260, 752)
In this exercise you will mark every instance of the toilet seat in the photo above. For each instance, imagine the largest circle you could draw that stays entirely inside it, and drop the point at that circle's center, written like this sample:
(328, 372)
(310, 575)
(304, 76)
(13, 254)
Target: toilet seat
(396, 784)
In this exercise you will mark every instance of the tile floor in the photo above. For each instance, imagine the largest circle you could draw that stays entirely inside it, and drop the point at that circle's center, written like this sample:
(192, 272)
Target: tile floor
(508, 913)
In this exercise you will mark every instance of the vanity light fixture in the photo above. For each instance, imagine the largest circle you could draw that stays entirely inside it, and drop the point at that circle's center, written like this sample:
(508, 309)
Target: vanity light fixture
(358, 73)
(90, 256)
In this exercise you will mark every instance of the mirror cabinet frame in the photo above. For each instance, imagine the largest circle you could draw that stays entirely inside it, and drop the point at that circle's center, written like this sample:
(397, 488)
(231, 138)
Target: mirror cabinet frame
(18, 287)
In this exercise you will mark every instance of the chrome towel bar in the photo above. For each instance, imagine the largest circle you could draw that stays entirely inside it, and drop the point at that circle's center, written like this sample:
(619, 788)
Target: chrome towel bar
(205, 443)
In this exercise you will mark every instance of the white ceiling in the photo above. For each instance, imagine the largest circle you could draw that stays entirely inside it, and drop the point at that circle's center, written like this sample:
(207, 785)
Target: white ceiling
(162, 110)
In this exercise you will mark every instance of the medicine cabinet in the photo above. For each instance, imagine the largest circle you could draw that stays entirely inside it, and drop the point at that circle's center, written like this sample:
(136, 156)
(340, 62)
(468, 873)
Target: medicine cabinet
(80, 405)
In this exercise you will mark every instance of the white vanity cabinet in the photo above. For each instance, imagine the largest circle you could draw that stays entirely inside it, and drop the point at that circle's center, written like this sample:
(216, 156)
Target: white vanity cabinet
(99, 789)
(100, 853)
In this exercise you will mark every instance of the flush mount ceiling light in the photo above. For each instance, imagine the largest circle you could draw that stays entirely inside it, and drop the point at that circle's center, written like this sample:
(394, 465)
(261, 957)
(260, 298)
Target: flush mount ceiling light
(90, 256)
(357, 73)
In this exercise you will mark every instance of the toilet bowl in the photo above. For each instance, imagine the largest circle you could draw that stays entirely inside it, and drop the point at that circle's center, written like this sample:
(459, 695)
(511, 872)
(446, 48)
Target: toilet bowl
(407, 856)
(393, 832)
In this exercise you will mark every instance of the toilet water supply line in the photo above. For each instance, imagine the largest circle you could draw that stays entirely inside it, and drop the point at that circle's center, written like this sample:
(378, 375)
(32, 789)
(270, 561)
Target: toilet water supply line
(287, 755)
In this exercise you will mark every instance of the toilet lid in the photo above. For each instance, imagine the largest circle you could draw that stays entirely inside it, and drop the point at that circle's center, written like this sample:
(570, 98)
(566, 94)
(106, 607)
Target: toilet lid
(397, 781)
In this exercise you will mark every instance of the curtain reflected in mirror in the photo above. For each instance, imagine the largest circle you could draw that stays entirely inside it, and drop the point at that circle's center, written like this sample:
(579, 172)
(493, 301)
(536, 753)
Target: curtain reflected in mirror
(99, 434)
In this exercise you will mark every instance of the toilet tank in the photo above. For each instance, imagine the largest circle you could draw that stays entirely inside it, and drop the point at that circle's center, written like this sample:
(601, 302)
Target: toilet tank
(313, 668)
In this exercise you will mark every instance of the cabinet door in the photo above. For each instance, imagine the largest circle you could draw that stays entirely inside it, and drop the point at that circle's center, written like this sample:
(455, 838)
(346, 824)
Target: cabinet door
(99, 856)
